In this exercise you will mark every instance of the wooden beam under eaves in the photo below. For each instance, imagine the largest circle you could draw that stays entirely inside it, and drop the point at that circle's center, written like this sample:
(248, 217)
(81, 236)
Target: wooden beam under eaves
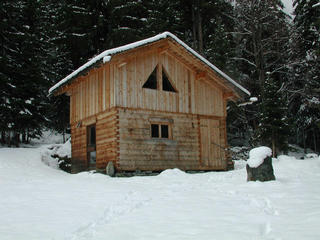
(201, 74)
(227, 95)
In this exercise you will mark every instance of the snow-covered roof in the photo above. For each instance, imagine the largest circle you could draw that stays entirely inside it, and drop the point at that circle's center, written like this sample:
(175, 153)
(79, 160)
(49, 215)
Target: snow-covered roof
(107, 55)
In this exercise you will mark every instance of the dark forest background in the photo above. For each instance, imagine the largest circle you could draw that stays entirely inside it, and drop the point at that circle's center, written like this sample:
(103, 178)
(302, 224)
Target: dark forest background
(276, 57)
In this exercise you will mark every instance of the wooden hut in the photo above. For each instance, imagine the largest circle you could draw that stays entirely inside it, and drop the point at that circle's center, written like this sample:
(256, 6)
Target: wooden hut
(150, 105)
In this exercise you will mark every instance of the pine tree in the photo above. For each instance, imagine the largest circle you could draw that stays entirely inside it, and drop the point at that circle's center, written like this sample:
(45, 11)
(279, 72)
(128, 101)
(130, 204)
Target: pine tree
(164, 15)
(219, 44)
(274, 129)
(127, 22)
(56, 63)
(29, 96)
(206, 26)
(261, 28)
(261, 36)
(75, 27)
(5, 62)
(22, 101)
(305, 88)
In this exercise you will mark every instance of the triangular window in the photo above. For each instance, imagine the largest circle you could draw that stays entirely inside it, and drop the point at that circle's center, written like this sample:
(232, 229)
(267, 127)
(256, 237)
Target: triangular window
(152, 80)
(166, 84)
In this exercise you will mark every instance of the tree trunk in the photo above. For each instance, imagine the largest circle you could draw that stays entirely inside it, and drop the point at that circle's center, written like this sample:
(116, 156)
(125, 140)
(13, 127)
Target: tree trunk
(258, 56)
(16, 138)
(64, 136)
(24, 137)
(304, 141)
(199, 28)
(9, 138)
(274, 150)
(314, 140)
(3, 137)
(28, 136)
(194, 31)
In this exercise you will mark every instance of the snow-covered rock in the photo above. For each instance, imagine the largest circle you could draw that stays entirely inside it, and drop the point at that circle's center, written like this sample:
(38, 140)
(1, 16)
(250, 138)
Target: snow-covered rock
(257, 155)
(259, 166)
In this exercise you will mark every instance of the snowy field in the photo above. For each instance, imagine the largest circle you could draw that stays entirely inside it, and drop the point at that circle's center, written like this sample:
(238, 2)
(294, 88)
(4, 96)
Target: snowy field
(40, 202)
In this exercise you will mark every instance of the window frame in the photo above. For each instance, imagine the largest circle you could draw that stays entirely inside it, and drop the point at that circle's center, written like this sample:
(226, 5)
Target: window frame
(160, 71)
(152, 76)
(167, 75)
(160, 135)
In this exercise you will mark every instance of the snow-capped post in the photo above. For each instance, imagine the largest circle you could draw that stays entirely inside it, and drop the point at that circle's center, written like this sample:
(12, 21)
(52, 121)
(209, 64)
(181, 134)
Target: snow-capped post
(259, 165)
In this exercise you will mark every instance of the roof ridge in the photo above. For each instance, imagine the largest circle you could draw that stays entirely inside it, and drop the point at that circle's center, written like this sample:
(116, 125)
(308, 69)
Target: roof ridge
(106, 56)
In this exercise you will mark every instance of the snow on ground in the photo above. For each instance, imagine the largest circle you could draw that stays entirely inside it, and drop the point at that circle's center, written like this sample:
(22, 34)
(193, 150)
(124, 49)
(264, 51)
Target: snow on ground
(40, 202)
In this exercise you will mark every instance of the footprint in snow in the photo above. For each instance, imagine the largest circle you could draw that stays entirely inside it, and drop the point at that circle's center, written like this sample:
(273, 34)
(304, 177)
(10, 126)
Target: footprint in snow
(131, 202)
(265, 205)
(266, 232)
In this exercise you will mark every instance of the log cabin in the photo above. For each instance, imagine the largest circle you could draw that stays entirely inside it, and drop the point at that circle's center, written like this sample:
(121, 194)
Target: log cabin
(149, 105)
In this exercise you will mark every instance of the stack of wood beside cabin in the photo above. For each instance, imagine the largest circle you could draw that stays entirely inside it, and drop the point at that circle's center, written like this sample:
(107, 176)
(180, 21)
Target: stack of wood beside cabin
(151, 107)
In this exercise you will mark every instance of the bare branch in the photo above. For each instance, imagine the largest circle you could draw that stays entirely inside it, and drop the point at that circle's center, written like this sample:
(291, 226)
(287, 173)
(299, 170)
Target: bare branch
(246, 60)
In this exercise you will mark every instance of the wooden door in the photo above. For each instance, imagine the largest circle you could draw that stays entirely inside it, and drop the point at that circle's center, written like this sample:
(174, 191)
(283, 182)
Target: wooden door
(212, 146)
(91, 147)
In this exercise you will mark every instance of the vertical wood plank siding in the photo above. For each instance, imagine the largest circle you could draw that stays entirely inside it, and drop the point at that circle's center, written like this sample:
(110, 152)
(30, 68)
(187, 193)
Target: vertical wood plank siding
(98, 91)
(90, 95)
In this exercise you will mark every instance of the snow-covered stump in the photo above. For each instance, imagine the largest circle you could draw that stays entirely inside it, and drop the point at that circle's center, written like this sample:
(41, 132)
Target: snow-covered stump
(259, 165)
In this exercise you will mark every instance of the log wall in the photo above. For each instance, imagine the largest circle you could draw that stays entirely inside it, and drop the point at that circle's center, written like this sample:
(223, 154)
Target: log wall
(123, 136)
(107, 133)
(106, 141)
(78, 148)
(138, 150)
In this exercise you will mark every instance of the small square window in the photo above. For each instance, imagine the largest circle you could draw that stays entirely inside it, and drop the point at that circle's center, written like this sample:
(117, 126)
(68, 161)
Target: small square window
(164, 131)
(154, 130)
(160, 131)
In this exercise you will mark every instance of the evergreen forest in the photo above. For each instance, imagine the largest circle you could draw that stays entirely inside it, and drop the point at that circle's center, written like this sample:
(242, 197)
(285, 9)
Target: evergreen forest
(274, 55)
